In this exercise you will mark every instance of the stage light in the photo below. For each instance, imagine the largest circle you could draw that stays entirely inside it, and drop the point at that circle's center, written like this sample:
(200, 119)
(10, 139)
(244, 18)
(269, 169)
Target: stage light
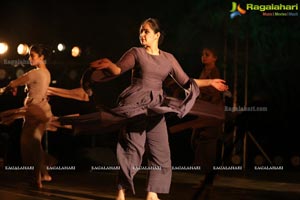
(236, 159)
(3, 47)
(259, 160)
(295, 160)
(19, 72)
(76, 51)
(61, 47)
(23, 49)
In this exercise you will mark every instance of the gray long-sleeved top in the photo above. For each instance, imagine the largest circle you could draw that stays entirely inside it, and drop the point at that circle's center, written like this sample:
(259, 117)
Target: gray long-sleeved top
(146, 92)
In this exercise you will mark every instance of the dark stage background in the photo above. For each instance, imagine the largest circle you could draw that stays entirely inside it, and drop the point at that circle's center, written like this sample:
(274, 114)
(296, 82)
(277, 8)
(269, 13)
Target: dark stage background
(259, 58)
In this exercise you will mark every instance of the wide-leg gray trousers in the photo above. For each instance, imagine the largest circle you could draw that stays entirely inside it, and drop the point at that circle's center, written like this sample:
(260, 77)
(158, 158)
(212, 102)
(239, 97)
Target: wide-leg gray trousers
(147, 133)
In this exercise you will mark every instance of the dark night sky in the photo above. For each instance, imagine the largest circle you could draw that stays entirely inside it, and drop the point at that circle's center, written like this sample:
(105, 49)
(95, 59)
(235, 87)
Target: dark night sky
(108, 28)
(105, 23)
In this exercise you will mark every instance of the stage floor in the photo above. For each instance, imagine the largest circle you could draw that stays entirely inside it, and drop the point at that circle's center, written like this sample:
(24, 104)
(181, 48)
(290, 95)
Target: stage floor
(88, 185)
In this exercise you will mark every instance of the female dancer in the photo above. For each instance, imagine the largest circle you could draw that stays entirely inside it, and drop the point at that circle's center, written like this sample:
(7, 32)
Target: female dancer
(145, 98)
(36, 113)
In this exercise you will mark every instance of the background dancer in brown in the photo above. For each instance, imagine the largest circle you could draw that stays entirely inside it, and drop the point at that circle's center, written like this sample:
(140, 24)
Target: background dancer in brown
(206, 139)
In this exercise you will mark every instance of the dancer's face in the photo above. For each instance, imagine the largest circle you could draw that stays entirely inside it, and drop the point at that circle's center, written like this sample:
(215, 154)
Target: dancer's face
(35, 59)
(147, 35)
(208, 57)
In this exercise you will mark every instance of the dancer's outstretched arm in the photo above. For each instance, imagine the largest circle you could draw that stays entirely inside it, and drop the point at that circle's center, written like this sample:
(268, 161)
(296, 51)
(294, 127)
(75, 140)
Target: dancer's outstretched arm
(77, 93)
(219, 84)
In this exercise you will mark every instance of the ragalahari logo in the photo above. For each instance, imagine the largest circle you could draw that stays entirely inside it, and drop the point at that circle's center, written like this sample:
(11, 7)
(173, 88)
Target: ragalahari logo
(236, 10)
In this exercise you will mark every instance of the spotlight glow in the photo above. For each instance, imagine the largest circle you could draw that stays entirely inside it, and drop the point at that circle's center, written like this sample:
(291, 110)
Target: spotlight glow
(3, 47)
(259, 160)
(23, 49)
(295, 160)
(61, 47)
(76, 51)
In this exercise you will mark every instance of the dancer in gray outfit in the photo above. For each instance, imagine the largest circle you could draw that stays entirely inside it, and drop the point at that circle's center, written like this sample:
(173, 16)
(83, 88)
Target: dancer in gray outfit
(144, 99)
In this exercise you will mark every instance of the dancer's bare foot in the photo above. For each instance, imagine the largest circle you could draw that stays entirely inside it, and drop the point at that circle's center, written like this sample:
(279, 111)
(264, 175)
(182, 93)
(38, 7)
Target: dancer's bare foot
(46, 177)
(152, 196)
(121, 195)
